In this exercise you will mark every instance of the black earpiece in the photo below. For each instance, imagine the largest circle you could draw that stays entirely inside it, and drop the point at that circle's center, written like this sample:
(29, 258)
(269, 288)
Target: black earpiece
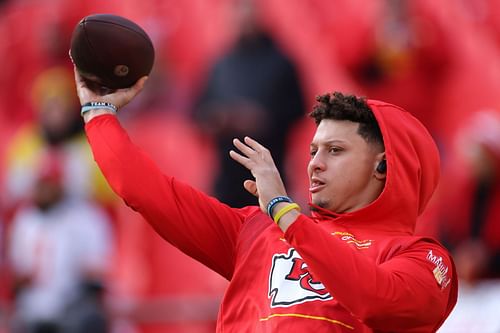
(382, 167)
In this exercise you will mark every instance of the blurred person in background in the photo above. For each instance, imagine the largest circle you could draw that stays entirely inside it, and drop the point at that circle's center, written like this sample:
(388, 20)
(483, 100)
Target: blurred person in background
(468, 220)
(405, 56)
(57, 126)
(59, 252)
(252, 89)
(470, 200)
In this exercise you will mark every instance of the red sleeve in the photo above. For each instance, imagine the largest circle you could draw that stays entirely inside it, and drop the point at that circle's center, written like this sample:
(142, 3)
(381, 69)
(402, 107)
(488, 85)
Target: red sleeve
(197, 224)
(402, 293)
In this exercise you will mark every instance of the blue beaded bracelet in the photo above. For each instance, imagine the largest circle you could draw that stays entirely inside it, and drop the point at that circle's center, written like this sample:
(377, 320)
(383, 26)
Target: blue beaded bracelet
(274, 202)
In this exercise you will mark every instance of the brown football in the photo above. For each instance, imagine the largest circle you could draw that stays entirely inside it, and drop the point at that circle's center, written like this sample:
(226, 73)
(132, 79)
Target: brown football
(110, 51)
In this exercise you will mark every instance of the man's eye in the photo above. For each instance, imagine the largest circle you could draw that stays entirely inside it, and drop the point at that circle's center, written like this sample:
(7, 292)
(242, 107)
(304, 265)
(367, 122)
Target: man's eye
(334, 150)
(312, 153)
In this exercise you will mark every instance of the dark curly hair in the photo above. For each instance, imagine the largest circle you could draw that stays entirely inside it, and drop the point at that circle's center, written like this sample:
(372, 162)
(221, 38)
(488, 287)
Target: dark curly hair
(338, 106)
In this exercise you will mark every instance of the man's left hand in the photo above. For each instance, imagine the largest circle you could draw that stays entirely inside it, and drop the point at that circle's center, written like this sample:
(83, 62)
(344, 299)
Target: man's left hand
(257, 158)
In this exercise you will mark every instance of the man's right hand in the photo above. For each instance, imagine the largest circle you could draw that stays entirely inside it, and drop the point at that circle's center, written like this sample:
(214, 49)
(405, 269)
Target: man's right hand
(119, 98)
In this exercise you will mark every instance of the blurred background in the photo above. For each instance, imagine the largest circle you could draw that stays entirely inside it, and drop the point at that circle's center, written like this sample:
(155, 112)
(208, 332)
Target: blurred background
(74, 258)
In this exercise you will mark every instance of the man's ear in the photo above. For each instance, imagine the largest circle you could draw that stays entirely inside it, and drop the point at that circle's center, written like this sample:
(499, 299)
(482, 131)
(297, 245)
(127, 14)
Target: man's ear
(381, 167)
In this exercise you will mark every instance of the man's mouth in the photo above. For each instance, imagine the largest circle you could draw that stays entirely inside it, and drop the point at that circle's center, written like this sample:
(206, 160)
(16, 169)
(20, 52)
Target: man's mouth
(316, 185)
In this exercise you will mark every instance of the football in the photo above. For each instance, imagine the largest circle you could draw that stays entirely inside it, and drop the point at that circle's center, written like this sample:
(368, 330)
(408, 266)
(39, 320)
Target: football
(111, 52)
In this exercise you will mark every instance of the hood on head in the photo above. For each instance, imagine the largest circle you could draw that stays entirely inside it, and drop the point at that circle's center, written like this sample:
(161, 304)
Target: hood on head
(413, 170)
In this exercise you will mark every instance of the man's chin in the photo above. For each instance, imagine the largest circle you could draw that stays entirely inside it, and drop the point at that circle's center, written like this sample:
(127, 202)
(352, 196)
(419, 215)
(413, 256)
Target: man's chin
(320, 203)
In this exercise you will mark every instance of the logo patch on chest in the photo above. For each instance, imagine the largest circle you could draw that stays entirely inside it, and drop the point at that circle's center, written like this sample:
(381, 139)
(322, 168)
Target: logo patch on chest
(350, 239)
(290, 282)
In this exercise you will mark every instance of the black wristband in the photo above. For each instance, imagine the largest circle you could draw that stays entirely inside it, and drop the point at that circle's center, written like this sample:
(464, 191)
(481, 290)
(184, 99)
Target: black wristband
(100, 104)
(274, 202)
(97, 105)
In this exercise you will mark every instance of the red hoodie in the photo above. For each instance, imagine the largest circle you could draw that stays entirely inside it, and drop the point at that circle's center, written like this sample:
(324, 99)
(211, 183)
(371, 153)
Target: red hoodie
(362, 271)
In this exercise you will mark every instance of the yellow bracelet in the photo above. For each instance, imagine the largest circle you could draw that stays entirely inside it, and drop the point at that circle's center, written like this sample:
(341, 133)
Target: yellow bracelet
(285, 210)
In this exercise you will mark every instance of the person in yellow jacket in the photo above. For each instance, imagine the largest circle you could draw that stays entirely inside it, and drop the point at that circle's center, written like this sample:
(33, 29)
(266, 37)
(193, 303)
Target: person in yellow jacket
(57, 126)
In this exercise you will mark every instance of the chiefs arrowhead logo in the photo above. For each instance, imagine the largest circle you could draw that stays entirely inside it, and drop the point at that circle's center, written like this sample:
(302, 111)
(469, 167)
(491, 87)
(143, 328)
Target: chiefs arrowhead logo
(291, 283)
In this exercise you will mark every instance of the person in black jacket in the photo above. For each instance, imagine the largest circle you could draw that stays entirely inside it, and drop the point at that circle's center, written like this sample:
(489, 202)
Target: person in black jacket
(254, 90)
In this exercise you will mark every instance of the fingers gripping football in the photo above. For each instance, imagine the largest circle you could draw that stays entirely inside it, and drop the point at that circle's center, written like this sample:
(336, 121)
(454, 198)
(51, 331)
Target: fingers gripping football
(119, 97)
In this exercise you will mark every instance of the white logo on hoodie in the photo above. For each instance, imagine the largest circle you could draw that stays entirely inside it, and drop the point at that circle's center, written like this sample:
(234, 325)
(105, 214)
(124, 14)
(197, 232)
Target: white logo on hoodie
(441, 270)
(290, 282)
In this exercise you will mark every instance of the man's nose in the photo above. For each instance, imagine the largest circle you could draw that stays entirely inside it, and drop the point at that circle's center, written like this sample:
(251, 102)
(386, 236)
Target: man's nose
(317, 162)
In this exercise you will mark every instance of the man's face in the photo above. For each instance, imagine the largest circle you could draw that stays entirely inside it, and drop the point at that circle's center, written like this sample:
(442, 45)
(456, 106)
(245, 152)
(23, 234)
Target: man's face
(341, 171)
